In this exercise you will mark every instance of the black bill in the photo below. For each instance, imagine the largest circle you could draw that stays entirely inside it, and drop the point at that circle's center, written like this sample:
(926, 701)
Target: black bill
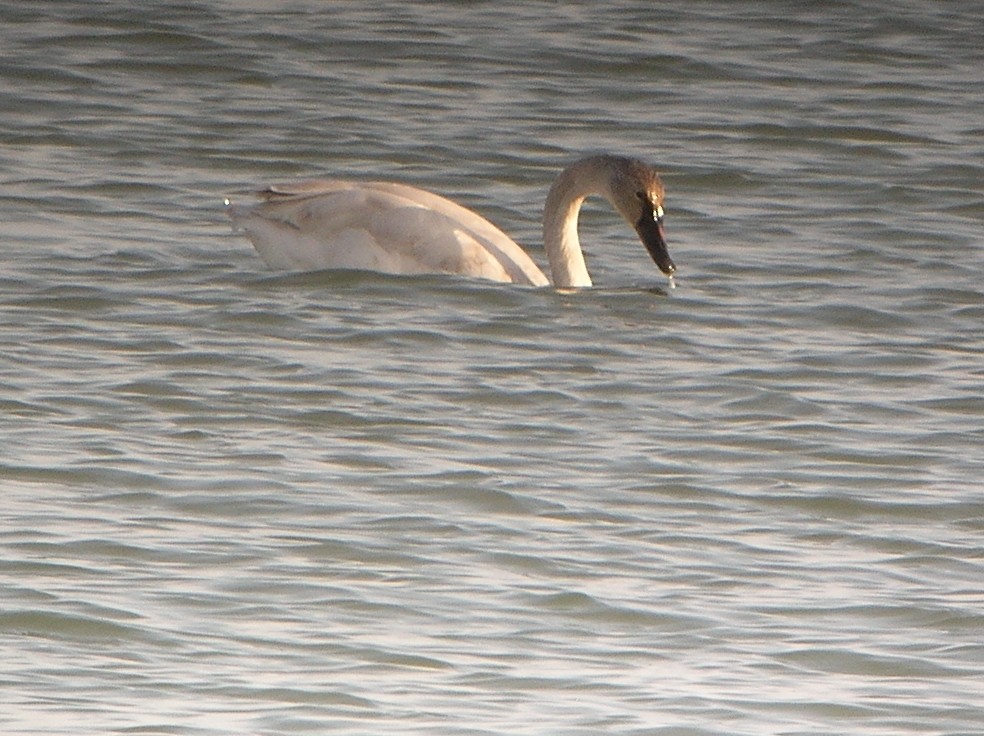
(650, 229)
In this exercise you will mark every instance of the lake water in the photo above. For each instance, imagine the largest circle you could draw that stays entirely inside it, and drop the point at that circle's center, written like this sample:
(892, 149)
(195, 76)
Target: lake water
(235, 501)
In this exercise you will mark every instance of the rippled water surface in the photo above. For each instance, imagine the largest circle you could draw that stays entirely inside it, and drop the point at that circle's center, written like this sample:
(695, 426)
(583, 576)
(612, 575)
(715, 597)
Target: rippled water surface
(236, 501)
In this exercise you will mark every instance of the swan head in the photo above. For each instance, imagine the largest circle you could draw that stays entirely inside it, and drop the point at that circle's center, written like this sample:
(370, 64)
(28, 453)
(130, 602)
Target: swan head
(637, 193)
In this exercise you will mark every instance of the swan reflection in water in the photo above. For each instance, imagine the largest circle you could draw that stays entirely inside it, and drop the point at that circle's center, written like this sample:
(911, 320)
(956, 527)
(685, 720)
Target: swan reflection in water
(399, 229)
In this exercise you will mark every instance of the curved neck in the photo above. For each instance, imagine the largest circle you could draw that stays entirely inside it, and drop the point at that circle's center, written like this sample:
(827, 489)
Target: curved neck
(578, 181)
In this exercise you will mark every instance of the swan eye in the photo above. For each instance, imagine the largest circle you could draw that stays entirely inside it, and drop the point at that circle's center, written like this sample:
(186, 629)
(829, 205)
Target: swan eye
(656, 209)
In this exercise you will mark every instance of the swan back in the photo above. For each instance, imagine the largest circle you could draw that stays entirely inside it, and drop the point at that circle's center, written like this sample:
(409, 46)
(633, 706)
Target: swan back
(380, 226)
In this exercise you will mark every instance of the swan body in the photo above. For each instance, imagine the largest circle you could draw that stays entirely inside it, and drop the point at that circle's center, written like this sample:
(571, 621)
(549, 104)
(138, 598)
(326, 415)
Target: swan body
(395, 228)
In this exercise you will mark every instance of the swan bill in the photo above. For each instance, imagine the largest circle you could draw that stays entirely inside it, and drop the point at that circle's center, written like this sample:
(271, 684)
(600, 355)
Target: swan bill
(650, 230)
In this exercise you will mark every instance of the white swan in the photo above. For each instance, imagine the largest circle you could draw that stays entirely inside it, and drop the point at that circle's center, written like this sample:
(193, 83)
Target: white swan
(396, 228)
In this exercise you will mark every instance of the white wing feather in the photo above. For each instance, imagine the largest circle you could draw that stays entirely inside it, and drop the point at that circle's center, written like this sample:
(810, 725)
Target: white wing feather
(380, 227)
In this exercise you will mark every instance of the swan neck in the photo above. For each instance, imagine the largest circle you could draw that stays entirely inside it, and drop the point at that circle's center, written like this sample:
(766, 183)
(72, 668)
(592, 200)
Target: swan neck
(560, 238)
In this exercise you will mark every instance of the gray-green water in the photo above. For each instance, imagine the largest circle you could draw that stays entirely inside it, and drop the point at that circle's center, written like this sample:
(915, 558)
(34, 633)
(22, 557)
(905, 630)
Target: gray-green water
(240, 502)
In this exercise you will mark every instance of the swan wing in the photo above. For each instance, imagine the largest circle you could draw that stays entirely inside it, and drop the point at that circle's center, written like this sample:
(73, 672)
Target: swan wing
(380, 227)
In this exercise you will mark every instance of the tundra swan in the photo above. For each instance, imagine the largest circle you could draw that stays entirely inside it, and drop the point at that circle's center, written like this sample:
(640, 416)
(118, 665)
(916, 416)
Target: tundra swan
(396, 228)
